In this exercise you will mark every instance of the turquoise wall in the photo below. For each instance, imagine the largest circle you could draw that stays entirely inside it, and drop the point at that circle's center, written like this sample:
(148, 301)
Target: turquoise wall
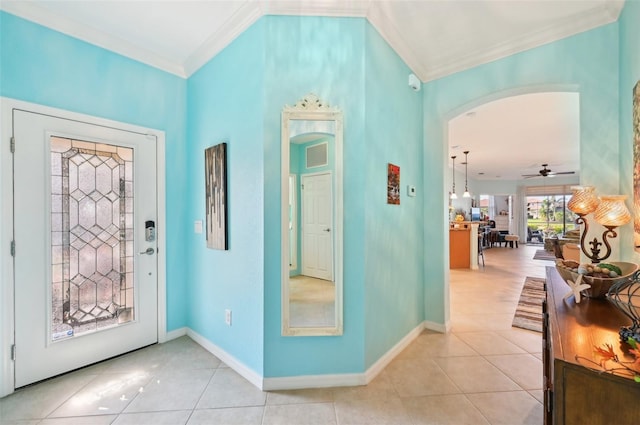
(629, 77)
(586, 63)
(393, 239)
(225, 103)
(347, 64)
(323, 56)
(46, 67)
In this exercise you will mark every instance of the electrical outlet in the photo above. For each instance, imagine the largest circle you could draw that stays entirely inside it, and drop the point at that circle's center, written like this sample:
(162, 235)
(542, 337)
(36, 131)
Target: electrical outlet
(227, 317)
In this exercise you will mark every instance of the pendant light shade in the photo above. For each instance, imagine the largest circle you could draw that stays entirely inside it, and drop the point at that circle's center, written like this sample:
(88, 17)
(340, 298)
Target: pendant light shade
(466, 193)
(453, 178)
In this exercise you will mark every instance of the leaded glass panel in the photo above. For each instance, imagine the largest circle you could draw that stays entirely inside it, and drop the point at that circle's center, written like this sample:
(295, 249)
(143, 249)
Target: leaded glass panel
(91, 236)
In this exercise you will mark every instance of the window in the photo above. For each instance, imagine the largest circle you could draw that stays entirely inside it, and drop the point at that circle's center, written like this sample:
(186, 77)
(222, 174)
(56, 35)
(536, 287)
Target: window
(546, 209)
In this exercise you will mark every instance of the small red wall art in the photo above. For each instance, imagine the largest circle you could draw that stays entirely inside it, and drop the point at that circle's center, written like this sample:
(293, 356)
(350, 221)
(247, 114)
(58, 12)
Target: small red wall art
(393, 184)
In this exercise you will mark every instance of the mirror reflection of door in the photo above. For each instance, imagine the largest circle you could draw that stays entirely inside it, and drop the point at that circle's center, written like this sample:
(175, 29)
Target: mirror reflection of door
(317, 242)
(312, 292)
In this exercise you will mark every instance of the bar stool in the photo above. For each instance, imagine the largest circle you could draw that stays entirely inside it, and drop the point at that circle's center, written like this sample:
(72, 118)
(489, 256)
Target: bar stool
(480, 248)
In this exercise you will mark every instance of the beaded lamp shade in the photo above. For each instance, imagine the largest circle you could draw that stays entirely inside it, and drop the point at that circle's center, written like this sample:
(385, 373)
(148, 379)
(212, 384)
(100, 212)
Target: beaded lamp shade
(584, 200)
(612, 211)
(625, 296)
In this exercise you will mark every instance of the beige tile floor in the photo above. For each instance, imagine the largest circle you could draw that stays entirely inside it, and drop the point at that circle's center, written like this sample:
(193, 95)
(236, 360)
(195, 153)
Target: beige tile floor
(483, 372)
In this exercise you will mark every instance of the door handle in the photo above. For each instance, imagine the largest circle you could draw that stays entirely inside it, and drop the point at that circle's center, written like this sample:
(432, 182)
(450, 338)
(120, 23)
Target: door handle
(149, 251)
(327, 230)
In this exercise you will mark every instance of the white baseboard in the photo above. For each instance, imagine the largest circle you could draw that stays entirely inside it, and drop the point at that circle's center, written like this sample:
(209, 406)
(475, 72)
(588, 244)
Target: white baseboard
(235, 364)
(176, 333)
(313, 381)
(383, 361)
(343, 380)
(438, 327)
(305, 381)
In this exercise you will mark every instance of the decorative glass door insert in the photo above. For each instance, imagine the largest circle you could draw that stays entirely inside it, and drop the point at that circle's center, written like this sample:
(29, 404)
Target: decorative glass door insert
(92, 284)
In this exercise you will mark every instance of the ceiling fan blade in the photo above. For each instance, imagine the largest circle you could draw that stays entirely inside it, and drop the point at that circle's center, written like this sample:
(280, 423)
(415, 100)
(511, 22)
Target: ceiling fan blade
(546, 172)
(561, 172)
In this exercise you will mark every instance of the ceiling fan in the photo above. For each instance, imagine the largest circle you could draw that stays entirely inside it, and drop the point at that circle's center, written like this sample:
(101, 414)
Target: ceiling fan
(545, 172)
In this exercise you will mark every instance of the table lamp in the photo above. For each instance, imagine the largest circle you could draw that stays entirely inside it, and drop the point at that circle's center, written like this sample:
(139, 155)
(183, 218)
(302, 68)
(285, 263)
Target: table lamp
(608, 210)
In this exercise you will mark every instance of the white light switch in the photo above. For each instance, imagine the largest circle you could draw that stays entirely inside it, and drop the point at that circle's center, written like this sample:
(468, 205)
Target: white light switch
(411, 190)
(197, 226)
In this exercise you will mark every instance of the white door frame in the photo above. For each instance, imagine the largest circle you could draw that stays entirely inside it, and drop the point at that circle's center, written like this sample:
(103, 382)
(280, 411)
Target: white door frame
(7, 313)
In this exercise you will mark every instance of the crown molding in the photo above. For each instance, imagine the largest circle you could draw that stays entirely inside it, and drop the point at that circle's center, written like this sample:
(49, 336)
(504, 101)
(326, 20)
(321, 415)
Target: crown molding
(49, 19)
(316, 8)
(558, 30)
(241, 20)
(391, 35)
(251, 11)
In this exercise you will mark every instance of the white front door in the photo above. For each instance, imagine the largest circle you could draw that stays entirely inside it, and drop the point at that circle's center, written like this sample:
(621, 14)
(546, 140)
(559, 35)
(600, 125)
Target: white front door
(317, 226)
(85, 277)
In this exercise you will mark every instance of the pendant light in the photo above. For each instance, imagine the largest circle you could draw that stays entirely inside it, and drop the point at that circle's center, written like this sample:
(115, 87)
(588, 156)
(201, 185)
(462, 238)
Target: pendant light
(453, 189)
(466, 193)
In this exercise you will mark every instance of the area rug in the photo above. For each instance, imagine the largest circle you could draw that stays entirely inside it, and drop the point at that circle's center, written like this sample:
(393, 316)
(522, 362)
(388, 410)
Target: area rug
(529, 311)
(542, 254)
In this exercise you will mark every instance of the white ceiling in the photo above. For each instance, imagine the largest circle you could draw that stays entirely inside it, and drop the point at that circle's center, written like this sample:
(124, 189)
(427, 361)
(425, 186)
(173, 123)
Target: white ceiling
(516, 135)
(434, 37)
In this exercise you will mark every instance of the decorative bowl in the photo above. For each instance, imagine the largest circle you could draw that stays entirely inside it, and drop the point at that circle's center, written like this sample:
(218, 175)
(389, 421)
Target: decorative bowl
(599, 285)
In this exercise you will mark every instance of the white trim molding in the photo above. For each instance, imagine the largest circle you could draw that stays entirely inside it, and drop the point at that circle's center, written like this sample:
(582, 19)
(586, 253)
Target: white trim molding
(438, 327)
(174, 334)
(243, 370)
(346, 379)
(6, 259)
(384, 361)
(314, 381)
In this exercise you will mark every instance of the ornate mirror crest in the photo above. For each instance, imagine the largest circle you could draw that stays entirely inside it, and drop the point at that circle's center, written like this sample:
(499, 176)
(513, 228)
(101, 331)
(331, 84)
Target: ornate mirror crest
(311, 102)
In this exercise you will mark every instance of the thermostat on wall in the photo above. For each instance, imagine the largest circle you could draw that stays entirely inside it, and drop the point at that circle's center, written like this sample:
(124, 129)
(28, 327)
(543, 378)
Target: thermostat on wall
(411, 190)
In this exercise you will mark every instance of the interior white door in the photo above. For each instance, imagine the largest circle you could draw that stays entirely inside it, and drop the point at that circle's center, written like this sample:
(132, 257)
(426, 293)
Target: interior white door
(85, 277)
(317, 226)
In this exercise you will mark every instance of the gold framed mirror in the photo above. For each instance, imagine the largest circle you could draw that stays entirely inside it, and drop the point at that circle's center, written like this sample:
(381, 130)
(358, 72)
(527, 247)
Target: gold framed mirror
(312, 274)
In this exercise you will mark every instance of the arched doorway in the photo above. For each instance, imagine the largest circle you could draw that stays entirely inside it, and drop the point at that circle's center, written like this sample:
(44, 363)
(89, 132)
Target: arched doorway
(523, 101)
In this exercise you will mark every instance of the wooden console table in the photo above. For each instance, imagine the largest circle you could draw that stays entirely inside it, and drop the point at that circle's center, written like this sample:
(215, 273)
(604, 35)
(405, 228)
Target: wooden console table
(575, 394)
